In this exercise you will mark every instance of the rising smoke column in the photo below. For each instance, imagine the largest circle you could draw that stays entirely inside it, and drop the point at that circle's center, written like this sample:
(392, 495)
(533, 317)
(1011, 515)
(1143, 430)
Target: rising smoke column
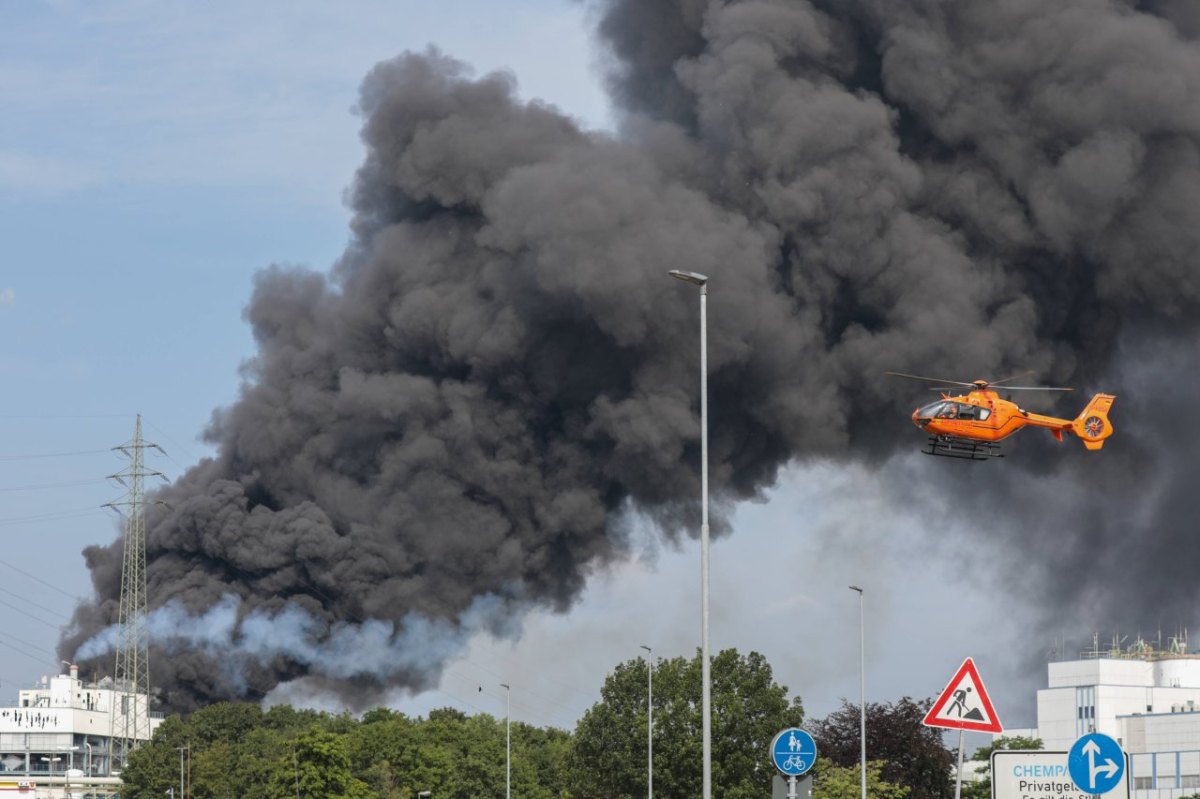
(454, 425)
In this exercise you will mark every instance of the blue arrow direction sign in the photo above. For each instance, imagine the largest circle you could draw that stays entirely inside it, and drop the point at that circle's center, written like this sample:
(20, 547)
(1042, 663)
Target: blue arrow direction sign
(793, 751)
(1096, 763)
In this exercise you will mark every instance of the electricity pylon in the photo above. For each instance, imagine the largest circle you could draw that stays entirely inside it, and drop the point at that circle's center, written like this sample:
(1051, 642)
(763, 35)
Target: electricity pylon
(131, 676)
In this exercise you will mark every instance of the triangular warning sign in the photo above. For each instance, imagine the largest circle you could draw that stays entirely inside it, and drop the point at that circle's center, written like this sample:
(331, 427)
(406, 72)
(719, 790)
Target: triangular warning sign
(964, 704)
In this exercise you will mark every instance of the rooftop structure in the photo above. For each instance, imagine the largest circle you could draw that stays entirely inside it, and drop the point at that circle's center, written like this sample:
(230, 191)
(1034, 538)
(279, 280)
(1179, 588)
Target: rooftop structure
(57, 739)
(1146, 696)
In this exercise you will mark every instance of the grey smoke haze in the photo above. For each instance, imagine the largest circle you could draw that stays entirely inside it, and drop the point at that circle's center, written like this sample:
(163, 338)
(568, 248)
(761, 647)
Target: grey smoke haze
(497, 370)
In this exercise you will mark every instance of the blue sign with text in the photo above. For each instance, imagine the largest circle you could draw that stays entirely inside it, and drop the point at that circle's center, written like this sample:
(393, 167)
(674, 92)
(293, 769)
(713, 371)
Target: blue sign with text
(793, 751)
(1096, 763)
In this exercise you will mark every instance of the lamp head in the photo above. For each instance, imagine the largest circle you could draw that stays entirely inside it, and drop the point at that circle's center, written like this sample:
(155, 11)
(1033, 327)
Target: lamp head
(695, 278)
(855, 588)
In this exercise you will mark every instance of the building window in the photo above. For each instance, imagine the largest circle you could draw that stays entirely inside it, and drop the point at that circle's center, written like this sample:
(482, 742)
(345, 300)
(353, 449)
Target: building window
(1143, 783)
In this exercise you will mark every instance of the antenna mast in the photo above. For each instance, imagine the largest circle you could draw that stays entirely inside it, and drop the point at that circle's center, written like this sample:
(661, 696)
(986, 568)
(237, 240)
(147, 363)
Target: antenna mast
(131, 676)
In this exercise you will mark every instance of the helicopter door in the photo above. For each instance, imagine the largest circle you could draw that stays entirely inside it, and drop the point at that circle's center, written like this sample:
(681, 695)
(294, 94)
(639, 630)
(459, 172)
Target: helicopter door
(966, 411)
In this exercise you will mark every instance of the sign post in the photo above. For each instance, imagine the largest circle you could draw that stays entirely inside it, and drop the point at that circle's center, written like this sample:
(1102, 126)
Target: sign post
(963, 705)
(793, 751)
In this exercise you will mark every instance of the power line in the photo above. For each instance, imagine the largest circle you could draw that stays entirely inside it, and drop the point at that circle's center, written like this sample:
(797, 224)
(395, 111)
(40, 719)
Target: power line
(53, 454)
(39, 486)
(49, 517)
(65, 416)
(39, 580)
(174, 445)
(36, 605)
(21, 651)
(32, 647)
(29, 615)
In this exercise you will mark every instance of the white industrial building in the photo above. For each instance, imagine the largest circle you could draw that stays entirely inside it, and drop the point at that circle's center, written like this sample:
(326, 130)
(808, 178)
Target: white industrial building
(1147, 698)
(56, 741)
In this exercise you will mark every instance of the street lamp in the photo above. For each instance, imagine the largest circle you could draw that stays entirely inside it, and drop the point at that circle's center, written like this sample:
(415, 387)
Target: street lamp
(862, 689)
(50, 761)
(649, 722)
(697, 279)
(182, 787)
(507, 741)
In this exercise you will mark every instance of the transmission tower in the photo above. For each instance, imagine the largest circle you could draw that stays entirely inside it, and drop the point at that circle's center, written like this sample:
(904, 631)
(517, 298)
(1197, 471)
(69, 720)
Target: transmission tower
(131, 677)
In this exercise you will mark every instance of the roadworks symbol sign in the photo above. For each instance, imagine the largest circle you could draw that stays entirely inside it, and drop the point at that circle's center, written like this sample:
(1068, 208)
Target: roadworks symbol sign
(964, 704)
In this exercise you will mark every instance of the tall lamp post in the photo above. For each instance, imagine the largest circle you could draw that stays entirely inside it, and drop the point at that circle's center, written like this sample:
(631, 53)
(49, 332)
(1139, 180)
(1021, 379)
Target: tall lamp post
(507, 741)
(50, 761)
(649, 722)
(862, 690)
(182, 785)
(697, 279)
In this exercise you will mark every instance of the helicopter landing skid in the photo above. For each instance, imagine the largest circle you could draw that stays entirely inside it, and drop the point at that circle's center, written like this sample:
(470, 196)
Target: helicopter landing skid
(963, 448)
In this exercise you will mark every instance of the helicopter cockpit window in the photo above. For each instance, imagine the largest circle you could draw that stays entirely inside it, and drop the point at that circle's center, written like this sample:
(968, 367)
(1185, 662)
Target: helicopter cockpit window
(949, 410)
(931, 410)
(966, 411)
(984, 413)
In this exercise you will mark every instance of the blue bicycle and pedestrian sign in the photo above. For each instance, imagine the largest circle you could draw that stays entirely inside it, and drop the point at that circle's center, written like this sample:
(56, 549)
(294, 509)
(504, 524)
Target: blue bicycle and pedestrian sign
(1096, 763)
(793, 751)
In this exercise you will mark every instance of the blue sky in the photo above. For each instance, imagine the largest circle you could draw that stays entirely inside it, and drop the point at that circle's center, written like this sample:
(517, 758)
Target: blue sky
(154, 156)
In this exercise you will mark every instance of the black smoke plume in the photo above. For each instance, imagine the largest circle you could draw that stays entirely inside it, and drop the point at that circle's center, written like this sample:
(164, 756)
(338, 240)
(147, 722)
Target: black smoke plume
(455, 423)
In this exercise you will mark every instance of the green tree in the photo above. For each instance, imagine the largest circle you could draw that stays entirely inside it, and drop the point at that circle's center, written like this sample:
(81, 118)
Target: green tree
(608, 753)
(213, 774)
(831, 781)
(224, 721)
(240, 751)
(319, 769)
(154, 767)
(912, 754)
(982, 788)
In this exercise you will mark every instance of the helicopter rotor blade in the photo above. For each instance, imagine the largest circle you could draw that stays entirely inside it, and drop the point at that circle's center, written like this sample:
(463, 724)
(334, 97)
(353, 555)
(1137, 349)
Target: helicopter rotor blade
(927, 379)
(1036, 388)
(1026, 373)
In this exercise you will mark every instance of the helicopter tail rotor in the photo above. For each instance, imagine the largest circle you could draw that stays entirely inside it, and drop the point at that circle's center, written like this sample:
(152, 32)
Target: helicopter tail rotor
(1092, 425)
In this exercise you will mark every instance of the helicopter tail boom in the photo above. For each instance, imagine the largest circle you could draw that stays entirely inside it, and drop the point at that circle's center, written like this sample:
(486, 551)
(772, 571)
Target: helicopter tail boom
(1092, 425)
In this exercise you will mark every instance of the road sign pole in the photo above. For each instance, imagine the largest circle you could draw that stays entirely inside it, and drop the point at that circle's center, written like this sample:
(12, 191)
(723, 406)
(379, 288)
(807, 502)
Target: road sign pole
(791, 788)
(958, 776)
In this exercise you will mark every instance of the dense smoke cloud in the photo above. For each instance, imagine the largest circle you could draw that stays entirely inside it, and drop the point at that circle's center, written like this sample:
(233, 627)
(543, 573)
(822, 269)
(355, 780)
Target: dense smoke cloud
(454, 425)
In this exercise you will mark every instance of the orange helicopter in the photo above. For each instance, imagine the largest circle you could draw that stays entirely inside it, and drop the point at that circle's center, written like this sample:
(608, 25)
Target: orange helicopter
(972, 425)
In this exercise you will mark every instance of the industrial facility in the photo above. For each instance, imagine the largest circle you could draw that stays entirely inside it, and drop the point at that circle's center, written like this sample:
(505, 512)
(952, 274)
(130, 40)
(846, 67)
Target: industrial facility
(63, 738)
(67, 739)
(1145, 695)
